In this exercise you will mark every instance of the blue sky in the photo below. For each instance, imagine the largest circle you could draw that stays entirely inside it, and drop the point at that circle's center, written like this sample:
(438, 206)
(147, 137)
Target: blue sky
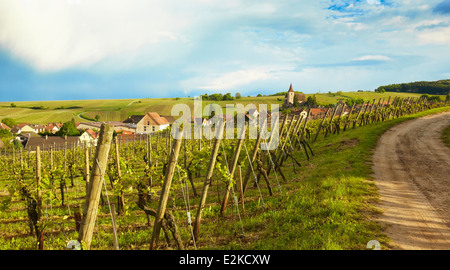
(98, 49)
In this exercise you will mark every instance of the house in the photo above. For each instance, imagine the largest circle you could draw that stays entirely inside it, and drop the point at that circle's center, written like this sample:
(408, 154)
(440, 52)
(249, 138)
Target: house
(53, 127)
(290, 97)
(170, 119)
(148, 123)
(45, 142)
(22, 128)
(37, 128)
(3, 126)
(117, 126)
(89, 138)
(316, 113)
(89, 125)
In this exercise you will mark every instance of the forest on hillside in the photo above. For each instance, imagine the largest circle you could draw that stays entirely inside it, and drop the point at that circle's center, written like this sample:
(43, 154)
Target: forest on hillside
(441, 87)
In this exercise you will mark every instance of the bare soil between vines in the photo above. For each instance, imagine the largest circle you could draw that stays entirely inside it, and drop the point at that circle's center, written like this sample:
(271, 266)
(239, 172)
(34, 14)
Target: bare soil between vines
(412, 172)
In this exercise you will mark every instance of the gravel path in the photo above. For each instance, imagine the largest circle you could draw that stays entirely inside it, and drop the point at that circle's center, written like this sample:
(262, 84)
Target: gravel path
(412, 172)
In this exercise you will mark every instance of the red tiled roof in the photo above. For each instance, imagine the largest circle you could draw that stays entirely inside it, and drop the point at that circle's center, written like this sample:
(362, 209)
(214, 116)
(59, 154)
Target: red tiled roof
(157, 119)
(3, 126)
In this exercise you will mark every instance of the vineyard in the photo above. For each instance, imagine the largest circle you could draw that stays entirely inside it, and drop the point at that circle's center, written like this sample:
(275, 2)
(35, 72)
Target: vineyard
(165, 192)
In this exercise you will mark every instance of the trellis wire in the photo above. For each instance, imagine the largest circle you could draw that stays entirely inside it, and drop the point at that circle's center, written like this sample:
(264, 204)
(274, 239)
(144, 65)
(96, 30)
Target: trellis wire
(256, 178)
(109, 205)
(187, 204)
(232, 190)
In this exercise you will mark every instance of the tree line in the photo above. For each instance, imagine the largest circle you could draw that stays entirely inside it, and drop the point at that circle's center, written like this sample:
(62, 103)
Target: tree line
(441, 87)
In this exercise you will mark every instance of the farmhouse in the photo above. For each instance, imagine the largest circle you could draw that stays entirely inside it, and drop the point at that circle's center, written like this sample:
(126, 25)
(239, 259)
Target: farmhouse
(3, 126)
(118, 126)
(149, 123)
(37, 128)
(89, 138)
(53, 127)
(22, 128)
(289, 99)
(317, 113)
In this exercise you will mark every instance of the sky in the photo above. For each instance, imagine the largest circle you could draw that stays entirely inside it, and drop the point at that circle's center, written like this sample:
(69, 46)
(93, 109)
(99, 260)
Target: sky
(117, 49)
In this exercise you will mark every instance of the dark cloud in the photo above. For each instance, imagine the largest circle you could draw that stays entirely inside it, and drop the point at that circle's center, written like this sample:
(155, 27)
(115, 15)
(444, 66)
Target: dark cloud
(443, 7)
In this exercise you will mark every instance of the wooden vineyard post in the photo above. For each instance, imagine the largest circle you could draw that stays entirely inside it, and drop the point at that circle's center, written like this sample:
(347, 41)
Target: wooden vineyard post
(21, 160)
(254, 153)
(241, 190)
(233, 168)
(349, 115)
(338, 126)
(95, 185)
(39, 233)
(173, 157)
(120, 199)
(51, 158)
(149, 150)
(321, 124)
(86, 167)
(357, 116)
(330, 125)
(207, 181)
(38, 181)
(303, 130)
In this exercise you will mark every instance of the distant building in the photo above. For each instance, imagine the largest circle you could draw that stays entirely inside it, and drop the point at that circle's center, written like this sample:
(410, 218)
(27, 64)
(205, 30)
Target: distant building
(290, 97)
(37, 128)
(53, 127)
(56, 142)
(89, 138)
(22, 128)
(3, 126)
(118, 126)
(149, 123)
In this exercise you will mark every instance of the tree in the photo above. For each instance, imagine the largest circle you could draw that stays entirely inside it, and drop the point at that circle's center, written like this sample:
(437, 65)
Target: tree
(296, 103)
(5, 133)
(9, 122)
(311, 101)
(97, 117)
(237, 95)
(13, 105)
(380, 90)
(227, 96)
(68, 129)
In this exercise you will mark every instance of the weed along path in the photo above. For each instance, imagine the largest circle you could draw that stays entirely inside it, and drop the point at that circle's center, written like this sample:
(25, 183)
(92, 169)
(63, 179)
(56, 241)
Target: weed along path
(412, 172)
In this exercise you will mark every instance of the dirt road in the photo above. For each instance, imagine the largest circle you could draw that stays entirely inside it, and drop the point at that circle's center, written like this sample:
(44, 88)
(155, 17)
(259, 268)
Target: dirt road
(412, 172)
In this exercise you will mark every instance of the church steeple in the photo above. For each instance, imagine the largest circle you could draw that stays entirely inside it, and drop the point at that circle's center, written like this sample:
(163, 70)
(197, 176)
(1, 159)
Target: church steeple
(291, 89)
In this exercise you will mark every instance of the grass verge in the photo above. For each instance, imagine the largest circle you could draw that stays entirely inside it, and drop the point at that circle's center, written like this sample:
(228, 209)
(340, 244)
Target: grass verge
(331, 201)
(446, 136)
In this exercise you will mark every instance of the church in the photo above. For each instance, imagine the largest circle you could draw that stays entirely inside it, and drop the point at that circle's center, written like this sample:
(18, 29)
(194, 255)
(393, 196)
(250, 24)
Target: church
(290, 96)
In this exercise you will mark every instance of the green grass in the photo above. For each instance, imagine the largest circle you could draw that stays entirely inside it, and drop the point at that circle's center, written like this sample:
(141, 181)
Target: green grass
(446, 136)
(331, 204)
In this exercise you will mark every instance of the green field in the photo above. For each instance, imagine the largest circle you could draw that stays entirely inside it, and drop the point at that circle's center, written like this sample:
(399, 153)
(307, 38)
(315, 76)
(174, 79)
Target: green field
(119, 109)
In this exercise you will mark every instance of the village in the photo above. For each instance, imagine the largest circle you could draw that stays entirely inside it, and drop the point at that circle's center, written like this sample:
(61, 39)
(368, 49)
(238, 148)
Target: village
(135, 127)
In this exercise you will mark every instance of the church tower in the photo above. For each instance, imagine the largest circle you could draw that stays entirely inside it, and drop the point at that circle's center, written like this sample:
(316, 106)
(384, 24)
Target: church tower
(289, 98)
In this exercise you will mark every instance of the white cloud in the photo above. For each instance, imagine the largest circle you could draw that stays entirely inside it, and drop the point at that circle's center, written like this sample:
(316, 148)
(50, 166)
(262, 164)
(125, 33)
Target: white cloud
(229, 80)
(438, 36)
(372, 58)
(53, 35)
